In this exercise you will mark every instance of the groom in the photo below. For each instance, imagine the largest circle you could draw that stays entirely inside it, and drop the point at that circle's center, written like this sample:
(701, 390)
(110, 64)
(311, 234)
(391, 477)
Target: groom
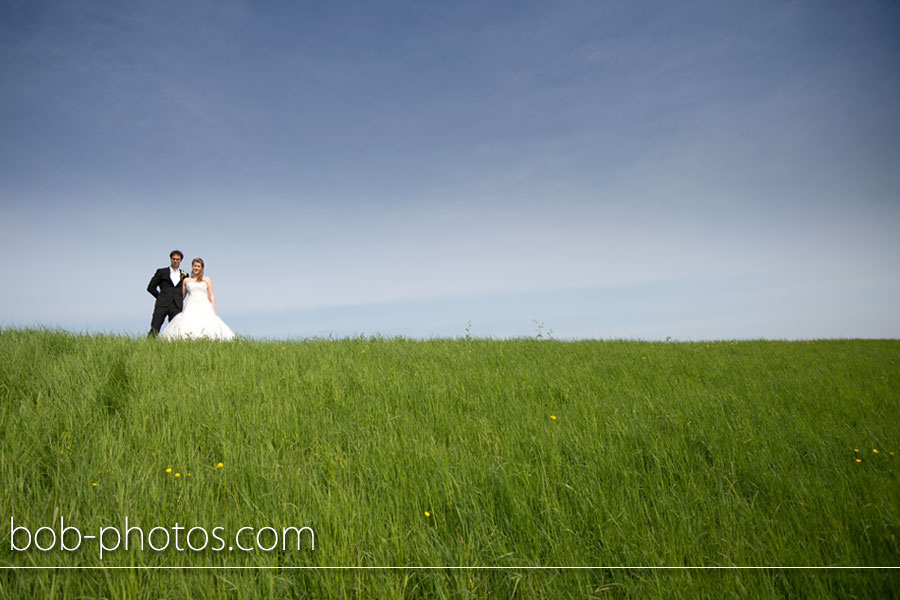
(166, 288)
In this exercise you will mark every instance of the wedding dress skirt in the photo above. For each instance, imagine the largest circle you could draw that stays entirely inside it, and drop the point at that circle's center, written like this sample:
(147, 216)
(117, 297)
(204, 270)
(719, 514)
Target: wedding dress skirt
(198, 319)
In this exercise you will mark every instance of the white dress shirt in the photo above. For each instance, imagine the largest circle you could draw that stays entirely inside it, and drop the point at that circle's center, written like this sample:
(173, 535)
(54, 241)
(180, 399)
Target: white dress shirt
(175, 276)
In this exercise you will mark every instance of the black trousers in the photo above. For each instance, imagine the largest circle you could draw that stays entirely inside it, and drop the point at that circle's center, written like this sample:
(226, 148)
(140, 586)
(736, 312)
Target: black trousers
(159, 315)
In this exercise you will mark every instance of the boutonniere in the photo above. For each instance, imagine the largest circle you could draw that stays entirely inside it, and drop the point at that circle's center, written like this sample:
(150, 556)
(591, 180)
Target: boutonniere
(183, 274)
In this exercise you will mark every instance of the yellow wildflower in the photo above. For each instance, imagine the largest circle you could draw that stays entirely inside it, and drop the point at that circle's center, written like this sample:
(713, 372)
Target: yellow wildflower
(553, 417)
(875, 450)
(219, 466)
(169, 470)
(94, 484)
(427, 514)
(177, 474)
(858, 460)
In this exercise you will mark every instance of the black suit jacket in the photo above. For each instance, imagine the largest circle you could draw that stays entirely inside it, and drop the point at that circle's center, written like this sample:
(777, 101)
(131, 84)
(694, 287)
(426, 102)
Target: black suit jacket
(162, 289)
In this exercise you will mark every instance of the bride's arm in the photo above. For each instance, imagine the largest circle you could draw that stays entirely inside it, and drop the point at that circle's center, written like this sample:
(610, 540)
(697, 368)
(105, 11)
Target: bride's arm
(209, 289)
(183, 283)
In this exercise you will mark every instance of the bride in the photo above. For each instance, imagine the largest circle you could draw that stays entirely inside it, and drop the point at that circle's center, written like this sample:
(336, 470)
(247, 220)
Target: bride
(199, 318)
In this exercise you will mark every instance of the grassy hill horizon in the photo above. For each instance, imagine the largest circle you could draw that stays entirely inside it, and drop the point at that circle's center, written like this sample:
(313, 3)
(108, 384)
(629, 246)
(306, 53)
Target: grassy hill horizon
(525, 455)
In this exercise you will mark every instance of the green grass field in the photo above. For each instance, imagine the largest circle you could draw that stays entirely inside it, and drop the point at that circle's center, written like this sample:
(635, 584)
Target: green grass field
(454, 453)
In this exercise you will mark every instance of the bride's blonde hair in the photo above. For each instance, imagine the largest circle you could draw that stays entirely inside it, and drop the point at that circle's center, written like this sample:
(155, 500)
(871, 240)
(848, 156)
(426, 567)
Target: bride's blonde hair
(202, 267)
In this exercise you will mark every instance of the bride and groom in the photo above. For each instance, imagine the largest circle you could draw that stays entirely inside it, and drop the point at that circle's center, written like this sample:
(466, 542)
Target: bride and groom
(188, 302)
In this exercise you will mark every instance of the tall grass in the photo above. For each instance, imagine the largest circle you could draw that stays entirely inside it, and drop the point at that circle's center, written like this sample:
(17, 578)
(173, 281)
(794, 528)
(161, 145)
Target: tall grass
(524, 453)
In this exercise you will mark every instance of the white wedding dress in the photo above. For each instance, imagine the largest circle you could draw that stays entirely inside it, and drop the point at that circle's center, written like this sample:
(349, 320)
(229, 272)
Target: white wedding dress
(198, 319)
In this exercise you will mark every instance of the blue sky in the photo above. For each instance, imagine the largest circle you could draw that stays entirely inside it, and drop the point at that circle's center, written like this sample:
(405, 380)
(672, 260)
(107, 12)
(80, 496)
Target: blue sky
(709, 170)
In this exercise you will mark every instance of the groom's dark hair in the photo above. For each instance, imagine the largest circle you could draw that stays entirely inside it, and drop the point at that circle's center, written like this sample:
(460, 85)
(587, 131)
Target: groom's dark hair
(178, 252)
